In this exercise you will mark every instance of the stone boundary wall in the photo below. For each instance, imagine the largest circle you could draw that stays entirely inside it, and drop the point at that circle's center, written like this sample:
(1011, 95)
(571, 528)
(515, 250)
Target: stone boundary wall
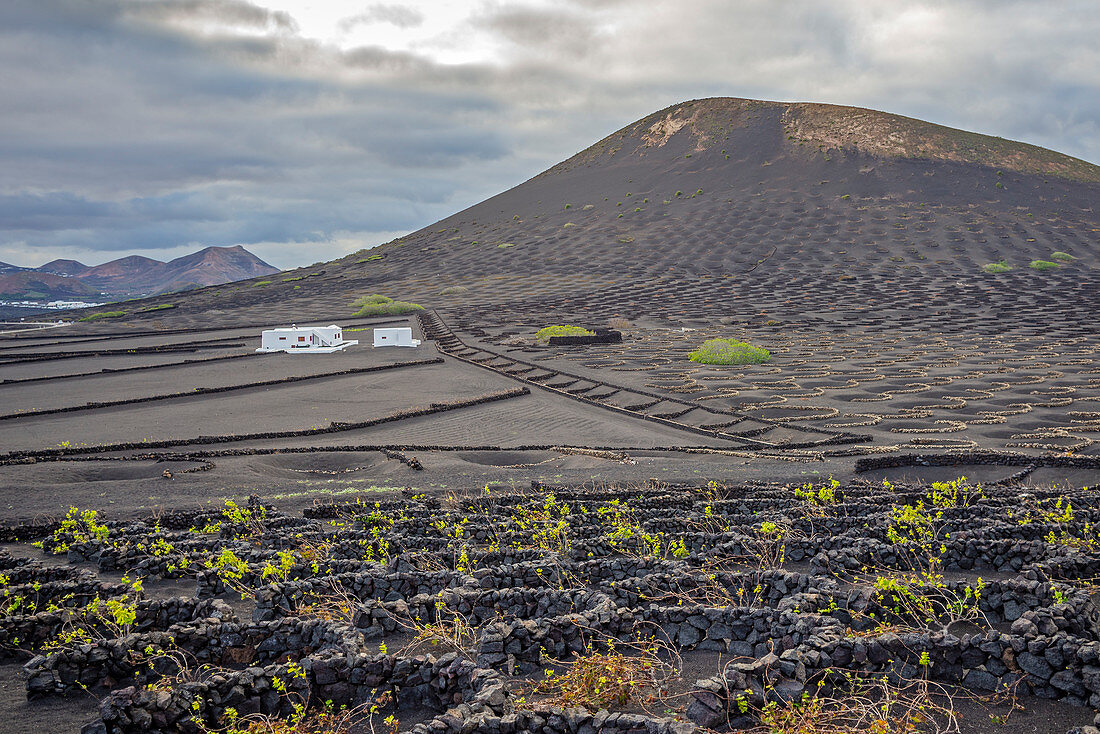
(602, 336)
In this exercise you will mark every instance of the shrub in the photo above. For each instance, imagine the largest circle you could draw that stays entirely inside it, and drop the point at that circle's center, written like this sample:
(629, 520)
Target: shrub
(1064, 256)
(729, 351)
(1042, 265)
(103, 315)
(546, 332)
(861, 703)
(374, 298)
(598, 680)
(997, 267)
(259, 283)
(159, 307)
(393, 308)
(453, 290)
(378, 305)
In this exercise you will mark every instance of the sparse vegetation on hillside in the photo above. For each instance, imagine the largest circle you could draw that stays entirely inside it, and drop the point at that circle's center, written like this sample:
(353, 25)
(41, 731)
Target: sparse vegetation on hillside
(997, 267)
(378, 305)
(729, 351)
(1042, 265)
(158, 307)
(454, 290)
(1063, 256)
(103, 315)
(544, 334)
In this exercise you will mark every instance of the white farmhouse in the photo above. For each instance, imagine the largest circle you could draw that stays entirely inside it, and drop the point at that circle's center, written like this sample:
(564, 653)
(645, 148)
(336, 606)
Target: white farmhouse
(305, 340)
(399, 337)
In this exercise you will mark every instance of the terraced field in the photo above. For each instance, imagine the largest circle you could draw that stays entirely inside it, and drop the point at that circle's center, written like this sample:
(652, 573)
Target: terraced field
(650, 607)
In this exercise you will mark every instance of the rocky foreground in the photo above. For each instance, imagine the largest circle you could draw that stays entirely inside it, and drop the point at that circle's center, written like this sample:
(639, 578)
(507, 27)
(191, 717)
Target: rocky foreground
(612, 608)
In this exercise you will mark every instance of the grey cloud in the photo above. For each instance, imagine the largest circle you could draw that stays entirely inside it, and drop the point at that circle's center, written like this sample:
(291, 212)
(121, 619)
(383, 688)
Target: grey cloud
(401, 16)
(230, 12)
(160, 138)
(558, 32)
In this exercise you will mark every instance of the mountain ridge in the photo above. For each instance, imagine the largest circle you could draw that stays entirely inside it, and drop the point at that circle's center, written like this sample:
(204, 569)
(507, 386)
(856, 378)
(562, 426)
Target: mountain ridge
(133, 275)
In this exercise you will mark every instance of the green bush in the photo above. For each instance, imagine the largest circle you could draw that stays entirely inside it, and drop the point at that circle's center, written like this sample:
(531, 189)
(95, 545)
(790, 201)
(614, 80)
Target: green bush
(546, 332)
(997, 267)
(1064, 256)
(259, 283)
(1042, 265)
(377, 305)
(103, 315)
(370, 300)
(729, 351)
(160, 307)
(454, 290)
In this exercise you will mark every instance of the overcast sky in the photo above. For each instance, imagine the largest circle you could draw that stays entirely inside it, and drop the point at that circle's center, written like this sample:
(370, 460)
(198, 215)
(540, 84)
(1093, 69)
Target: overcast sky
(307, 129)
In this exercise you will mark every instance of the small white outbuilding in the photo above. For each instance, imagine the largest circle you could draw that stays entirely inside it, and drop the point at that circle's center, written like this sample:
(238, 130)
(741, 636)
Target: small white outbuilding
(399, 337)
(305, 340)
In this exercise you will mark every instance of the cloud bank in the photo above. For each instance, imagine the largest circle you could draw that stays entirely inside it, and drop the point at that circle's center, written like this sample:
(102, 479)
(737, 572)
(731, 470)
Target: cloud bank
(161, 126)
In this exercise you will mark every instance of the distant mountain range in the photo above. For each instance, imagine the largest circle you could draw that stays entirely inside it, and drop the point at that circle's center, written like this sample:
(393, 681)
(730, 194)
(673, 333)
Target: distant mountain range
(129, 276)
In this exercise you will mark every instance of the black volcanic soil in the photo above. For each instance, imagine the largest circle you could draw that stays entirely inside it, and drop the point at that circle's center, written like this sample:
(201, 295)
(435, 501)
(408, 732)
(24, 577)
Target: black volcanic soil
(860, 271)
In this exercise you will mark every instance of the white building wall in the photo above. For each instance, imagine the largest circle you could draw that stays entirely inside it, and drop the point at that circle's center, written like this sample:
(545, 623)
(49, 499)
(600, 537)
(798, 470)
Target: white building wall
(303, 338)
(397, 337)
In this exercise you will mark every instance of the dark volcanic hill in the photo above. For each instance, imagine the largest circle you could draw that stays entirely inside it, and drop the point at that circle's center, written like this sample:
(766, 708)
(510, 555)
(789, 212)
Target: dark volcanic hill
(754, 203)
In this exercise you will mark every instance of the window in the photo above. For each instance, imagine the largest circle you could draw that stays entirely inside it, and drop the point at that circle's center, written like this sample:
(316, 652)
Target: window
(301, 338)
(282, 338)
